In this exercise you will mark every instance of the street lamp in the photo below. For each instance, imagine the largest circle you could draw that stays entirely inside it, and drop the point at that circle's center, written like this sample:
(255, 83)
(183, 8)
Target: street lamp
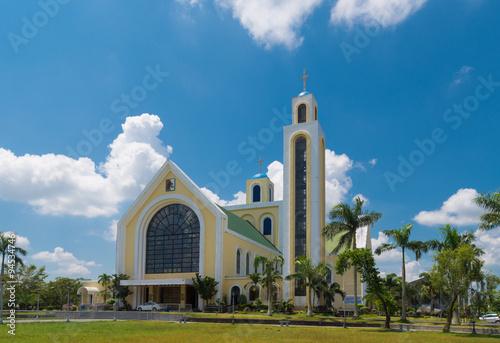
(37, 303)
(67, 306)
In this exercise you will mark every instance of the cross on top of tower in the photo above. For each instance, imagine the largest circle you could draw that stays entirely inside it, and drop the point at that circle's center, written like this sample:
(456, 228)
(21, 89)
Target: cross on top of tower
(304, 78)
(260, 164)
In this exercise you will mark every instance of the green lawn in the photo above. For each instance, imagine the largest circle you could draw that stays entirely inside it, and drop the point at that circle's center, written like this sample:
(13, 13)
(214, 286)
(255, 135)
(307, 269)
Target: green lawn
(140, 331)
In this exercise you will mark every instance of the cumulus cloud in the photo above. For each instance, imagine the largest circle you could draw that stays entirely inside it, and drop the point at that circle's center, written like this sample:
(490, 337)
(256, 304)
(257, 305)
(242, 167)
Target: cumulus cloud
(60, 185)
(21, 241)
(388, 256)
(373, 162)
(489, 241)
(458, 210)
(338, 183)
(68, 264)
(368, 12)
(239, 198)
(272, 22)
(275, 174)
(413, 270)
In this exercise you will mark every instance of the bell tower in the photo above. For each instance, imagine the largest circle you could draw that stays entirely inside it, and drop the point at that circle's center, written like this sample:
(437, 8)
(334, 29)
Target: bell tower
(303, 189)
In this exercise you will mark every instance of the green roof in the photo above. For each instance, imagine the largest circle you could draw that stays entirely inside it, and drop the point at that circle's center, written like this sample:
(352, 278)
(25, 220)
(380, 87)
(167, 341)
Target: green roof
(244, 228)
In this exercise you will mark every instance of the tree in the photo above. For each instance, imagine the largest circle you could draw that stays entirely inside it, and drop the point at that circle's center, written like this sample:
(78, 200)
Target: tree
(56, 292)
(402, 238)
(254, 281)
(427, 288)
(122, 292)
(30, 280)
(206, 287)
(329, 294)
(270, 274)
(362, 260)
(346, 221)
(8, 249)
(308, 274)
(453, 271)
(491, 203)
(104, 280)
(451, 239)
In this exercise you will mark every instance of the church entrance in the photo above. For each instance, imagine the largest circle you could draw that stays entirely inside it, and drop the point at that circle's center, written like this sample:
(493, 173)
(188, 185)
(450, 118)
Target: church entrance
(191, 297)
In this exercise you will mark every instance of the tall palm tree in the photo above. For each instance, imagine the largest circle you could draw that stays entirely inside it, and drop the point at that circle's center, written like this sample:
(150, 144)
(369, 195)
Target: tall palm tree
(491, 203)
(270, 273)
(401, 237)
(104, 280)
(308, 274)
(346, 221)
(8, 248)
(451, 239)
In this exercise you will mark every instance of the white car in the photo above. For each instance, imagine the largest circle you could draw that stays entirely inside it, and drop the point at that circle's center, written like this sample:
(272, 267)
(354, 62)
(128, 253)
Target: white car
(490, 318)
(150, 306)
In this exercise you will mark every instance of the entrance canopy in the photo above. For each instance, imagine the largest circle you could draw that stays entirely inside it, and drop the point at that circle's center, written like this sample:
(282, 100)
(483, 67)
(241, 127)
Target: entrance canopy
(87, 290)
(156, 282)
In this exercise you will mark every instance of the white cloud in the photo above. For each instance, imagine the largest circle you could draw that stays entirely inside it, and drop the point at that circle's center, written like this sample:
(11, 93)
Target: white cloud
(368, 12)
(462, 75)
(272, 22)
(489, 241)
(373, 162)
(338, 183)
(362, 197)
(275, 174)
(60, 185)
(192, 3)
(239, 198)
(458, 210)
(21, 241)
(68, 264)
(110, 233)
(413, 270)
(388, 256)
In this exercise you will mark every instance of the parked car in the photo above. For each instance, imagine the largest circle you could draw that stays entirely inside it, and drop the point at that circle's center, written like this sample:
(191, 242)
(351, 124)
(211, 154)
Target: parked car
(151, 306)
(491, 318)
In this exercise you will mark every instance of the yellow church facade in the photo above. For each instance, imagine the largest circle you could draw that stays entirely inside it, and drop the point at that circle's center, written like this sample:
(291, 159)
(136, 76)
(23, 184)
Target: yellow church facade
(173, 230)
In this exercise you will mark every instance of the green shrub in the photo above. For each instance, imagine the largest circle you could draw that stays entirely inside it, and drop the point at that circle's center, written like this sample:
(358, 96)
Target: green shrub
(245, 310)
(242, 299)
(110, 301)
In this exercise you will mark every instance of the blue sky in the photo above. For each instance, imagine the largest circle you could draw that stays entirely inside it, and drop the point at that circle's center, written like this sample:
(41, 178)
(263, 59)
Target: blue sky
(95, 96)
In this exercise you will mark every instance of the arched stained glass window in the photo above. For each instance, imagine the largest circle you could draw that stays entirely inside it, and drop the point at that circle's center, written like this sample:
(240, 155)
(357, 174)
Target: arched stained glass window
(268, 226)
(302, 115)
(173, 241)
(256, 193)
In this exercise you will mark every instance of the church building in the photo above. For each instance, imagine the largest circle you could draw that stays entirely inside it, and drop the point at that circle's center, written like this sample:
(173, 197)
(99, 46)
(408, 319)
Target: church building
(173, 230)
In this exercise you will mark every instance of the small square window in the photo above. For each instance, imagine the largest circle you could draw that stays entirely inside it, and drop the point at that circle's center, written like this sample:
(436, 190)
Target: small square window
(170, 185)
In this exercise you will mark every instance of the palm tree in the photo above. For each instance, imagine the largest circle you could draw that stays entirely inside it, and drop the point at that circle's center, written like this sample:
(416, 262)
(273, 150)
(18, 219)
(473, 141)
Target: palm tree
(427, 288)
(451, 239)
(329, 293)
(270, 273)
(491, 203)
(346, 221)
(254, 281)
(402, 238)
(8, 248)
(308, 274)
(104, 280)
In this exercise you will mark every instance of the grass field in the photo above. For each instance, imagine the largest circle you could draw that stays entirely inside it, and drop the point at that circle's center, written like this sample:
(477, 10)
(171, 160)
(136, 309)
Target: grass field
(140, 331)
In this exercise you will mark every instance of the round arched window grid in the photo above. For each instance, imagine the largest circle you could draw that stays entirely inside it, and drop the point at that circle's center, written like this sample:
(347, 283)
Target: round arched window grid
(173, 241)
